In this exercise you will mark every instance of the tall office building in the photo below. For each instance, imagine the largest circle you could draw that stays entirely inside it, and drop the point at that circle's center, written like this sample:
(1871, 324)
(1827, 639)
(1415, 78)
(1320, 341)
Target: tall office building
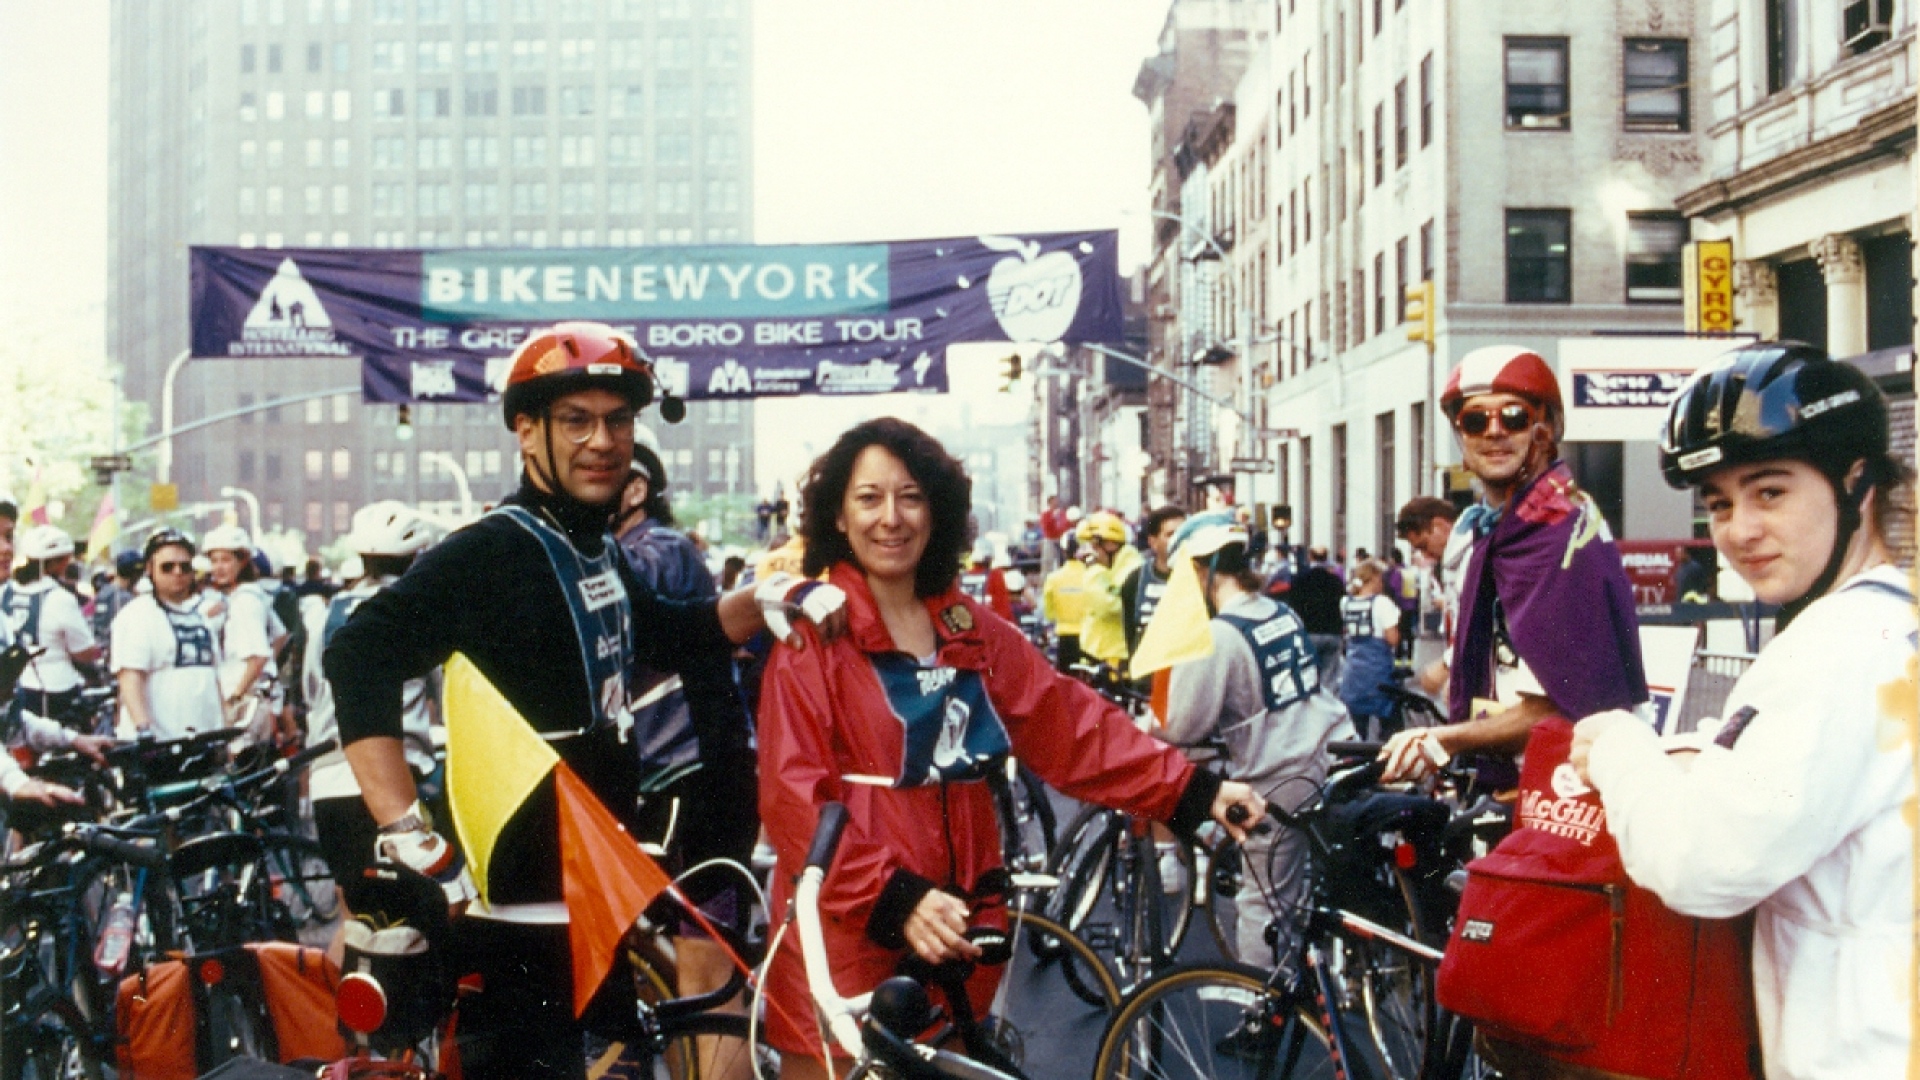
(406, 123)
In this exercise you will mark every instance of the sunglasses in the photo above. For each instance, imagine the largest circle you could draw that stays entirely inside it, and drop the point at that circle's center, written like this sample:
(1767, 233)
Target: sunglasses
(1513, 419)
(172, 567)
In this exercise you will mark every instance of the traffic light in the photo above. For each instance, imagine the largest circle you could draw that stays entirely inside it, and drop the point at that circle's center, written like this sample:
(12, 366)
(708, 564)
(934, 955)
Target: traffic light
(1419, 313)
(1009, 372)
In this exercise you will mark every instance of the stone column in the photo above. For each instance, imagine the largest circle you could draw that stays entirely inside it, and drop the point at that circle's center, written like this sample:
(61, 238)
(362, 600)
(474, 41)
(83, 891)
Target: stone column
(1754, 283)
(1846, 275)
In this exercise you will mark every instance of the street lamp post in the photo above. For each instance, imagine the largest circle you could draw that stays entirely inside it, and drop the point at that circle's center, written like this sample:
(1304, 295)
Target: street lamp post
(459, 479)
(165, 465)
(253, 506)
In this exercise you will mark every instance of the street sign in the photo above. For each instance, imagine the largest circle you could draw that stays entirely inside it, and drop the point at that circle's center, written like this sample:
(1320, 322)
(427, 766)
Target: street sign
(1283, 434)
(1707, 286)
(163, 497)
(1251, 465)
(110, 463)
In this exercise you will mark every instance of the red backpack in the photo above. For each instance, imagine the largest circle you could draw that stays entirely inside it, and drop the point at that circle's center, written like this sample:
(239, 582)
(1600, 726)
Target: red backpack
(1555, 950)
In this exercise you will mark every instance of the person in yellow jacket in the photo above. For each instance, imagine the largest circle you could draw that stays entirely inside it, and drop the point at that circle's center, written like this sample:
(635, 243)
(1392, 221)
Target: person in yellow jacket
(1103, 635)
(1063, 603)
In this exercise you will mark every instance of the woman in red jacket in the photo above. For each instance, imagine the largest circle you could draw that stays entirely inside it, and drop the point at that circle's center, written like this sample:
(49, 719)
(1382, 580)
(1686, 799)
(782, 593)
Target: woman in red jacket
(901, 720)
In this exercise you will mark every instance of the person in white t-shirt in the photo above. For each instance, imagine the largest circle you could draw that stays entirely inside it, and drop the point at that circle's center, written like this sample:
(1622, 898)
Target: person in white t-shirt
(165, 653)
(46, 617)
(250, 633)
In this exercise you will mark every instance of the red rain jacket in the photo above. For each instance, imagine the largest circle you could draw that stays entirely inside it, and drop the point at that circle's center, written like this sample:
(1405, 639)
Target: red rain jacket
(826, 715)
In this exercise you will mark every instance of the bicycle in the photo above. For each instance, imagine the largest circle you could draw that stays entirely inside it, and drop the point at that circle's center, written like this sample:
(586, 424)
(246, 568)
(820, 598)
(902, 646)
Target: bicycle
(876, 1029)
(57, 1001)
(1354, 987)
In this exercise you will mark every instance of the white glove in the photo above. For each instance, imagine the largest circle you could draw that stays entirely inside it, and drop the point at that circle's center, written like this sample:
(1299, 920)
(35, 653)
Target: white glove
(783, 595)
(429, 853)
(1412, 754)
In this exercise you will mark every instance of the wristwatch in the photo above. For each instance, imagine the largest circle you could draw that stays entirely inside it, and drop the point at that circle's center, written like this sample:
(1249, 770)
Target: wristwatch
(411, 821)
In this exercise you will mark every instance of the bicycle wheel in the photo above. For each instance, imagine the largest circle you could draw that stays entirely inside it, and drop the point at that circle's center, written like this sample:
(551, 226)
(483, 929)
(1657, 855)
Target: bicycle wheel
(1082, 862)
(1225, 1022)
(305, 901)
(1034, 817)
(1044, 949)
(1393, 991)
(708, 1046)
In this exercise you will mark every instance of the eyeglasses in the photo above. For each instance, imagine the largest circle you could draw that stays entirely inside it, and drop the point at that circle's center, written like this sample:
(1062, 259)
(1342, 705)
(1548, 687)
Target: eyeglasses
(1513, 419)
(172, 567)
(577, 426)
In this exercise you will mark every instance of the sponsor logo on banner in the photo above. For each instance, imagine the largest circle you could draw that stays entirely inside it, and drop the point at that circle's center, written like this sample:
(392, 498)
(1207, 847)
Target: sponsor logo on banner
(288, 319)
(1034, 296)
(730, 377)
(674, 375)
(874, 376)
(433, 378)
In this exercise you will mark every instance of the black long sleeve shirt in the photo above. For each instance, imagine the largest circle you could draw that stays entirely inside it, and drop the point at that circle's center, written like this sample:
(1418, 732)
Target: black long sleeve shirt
(489, 592)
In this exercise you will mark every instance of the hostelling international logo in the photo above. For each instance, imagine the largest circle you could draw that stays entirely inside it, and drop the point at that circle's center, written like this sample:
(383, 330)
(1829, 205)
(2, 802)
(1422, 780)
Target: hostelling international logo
(288, 320)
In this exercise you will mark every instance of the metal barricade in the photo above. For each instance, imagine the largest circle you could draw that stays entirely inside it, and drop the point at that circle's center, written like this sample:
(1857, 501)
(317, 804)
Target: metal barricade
(1708, 685)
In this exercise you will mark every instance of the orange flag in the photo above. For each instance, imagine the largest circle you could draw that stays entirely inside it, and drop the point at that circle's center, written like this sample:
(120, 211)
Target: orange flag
(606, 879)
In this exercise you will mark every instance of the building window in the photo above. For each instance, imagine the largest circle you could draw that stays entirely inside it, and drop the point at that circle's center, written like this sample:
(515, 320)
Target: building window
(249, 110)
(1654, 85)
(1380, 292)
(1400, 125)
(1889, 269)
(482, 100)
(342, 516)
(1426, 252)
(246, 59)
(436, 103)
(1537, 84)
(342, 404)
(1866, 24)
(314, 519)
(1400, 276)
(1385, 504)
(1417, 446)
(1339, 487)
(316, 464)
(316, 56)
(529, 101)
(1426, 100)
(1379, 143)
(389, 104)
(1783, 43)
(1539, 256)
(1654, 246)
(273, 59)
(246, 466)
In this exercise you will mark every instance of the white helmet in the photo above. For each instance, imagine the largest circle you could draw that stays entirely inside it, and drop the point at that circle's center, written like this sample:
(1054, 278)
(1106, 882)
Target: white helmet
(1206, 535)
(227, 538)
(389, 528)
(45, 542)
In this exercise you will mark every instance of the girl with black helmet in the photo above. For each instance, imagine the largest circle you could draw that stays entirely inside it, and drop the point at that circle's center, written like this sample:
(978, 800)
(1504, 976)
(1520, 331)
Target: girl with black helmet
(1797, 805)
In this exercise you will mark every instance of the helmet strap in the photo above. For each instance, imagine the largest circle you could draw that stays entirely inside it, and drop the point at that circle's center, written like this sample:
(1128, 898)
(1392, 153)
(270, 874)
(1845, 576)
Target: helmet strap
(544, 472)
(1849, 503)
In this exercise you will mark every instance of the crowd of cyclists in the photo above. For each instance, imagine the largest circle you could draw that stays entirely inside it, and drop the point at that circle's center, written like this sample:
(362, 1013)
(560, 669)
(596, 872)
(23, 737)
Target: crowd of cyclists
(886, 661)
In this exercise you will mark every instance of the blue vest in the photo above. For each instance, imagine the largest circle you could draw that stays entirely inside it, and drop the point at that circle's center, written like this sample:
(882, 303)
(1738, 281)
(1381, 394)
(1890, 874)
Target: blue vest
(602, 614)
(952, 731)
(1288, 670)
(22, 611)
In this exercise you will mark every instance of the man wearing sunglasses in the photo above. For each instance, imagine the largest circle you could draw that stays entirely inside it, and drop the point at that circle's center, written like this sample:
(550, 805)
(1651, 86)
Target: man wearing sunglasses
(165, 653)
(1541, 618)
(537, 596)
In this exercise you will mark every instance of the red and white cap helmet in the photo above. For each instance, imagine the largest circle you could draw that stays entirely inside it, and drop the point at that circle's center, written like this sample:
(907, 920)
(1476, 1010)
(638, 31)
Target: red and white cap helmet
(1503, 369)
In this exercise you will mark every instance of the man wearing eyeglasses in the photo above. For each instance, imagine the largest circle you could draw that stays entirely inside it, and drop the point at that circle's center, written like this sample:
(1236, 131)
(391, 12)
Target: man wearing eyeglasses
(1543, 619)
(537, 595)
(165, 652)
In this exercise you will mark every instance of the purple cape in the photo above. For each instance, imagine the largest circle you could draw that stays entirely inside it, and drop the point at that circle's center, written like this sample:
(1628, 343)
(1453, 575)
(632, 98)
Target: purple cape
(1569, 608)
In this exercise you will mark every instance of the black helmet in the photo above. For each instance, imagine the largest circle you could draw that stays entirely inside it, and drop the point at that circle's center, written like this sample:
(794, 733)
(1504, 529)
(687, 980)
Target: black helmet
(1773, 400)
(169, 537)
(1780, 400)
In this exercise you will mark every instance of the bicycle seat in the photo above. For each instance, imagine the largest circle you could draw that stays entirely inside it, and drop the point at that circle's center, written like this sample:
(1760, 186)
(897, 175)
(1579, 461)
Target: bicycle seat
(395, 986)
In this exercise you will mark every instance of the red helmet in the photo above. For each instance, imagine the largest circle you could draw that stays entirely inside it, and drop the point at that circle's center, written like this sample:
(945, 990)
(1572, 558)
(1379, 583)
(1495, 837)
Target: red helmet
(1502, 369)
(573, 356)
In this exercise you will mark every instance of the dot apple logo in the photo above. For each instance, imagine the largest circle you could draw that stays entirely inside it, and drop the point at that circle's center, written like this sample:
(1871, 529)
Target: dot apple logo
(1034, 296)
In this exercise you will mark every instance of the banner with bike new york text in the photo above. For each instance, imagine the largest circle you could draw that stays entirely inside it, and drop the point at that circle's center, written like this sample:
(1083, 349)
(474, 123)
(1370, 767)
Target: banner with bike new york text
(719, 321)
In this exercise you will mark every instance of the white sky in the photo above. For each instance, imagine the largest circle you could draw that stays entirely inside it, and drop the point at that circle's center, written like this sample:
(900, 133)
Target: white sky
(874, 120)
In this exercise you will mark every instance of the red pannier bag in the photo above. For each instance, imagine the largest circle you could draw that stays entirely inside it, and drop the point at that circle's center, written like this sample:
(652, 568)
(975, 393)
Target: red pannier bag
(299, 984)
(157, 1011)
(1555, 950)
(154, 1020)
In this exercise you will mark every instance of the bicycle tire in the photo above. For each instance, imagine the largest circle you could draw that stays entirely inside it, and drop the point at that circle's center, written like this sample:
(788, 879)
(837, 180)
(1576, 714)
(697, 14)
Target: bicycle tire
(677, 1056)
(1082, 862)
(1212, 1022)
(1048, 943)
(305, 900)
(1033, 797)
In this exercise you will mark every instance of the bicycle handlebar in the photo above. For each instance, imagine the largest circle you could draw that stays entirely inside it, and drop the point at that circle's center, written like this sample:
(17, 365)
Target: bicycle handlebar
(142, 855)
(826, 836)
(839, 1012)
